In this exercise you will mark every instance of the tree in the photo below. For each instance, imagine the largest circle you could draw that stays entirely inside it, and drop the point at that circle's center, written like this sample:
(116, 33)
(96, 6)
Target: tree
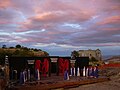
(4, 46)
(36, 49)
(75, 54)
(18, 46)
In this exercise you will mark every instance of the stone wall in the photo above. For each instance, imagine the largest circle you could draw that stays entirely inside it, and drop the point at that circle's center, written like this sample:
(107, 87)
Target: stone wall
(90, 53)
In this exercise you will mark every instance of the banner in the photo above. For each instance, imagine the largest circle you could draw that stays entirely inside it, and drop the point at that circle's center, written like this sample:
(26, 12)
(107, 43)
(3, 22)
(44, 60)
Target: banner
(38, 65)
(45, 67)
(63, 65)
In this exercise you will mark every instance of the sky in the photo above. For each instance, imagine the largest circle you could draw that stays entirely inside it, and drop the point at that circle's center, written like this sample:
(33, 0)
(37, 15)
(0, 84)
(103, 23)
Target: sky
(61, 26)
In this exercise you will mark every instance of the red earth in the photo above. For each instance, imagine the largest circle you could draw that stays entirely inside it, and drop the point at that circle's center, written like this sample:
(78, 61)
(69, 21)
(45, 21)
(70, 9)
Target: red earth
(112, 65)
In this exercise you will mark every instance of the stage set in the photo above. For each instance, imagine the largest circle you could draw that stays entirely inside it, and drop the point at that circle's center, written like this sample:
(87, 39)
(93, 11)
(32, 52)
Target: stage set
(34, 68)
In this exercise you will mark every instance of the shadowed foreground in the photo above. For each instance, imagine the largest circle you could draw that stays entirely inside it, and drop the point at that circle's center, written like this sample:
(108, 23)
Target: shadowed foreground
(53, 84)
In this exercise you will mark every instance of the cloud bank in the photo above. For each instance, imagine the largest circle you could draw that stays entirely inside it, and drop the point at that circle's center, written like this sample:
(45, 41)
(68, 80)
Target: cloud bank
(60, 26)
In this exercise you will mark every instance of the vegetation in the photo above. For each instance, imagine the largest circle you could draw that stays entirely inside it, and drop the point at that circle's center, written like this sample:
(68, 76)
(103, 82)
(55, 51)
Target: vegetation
(75, 54)
(4, 46)
(93, 59)
(18, 46)
(20, 51)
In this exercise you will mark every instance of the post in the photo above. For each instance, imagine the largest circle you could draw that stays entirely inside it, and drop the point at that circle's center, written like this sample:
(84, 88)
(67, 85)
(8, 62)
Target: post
(6, 69)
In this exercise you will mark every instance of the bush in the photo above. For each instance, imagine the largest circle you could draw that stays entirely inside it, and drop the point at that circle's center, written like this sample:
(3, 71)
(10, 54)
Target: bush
(18, 46)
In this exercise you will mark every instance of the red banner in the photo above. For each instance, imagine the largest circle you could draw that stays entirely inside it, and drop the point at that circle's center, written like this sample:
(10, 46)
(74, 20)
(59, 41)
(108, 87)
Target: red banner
(66, 64)
(37, 65)
(63, 65)
(45, 67)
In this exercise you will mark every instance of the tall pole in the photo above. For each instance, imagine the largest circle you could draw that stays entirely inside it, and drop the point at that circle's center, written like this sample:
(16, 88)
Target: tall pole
(6, 69)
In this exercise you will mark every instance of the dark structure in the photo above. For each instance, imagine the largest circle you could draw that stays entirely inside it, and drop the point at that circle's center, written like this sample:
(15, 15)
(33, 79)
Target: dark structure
(81, 62)
(54, 65)
(21, 63)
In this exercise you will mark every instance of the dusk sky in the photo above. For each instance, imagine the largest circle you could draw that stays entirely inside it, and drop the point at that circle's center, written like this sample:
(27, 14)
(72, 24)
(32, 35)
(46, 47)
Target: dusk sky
(61, 26)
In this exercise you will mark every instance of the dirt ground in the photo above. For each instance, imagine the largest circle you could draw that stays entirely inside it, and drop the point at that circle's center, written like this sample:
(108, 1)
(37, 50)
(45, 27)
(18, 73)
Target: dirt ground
(113, 84)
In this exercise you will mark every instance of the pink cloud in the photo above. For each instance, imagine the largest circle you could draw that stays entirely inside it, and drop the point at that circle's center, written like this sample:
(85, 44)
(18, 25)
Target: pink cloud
(111, 29)
(116, 8)
(5, 3)
(110, 20)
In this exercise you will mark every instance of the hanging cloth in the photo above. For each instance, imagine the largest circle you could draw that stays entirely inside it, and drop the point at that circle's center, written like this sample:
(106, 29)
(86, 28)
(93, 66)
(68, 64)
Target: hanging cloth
(45, 67)
(61, 66)
(66, 64)
(37, 65)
